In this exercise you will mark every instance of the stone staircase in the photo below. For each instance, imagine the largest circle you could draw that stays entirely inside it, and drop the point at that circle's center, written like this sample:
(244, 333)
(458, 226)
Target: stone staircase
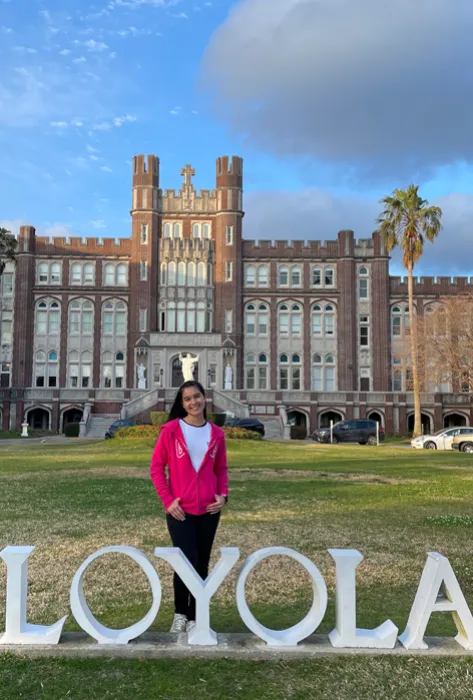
(99, 423)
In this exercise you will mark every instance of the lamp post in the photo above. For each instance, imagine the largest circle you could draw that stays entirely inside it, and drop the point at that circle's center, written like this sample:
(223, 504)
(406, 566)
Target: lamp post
(161, 372)
(209, 377)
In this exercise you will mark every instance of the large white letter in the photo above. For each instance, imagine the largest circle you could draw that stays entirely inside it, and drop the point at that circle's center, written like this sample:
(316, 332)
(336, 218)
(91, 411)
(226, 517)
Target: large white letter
(201, 590)
(83, 615)
(17, 630)
(345, 633)
(437, 574)
(305, 627)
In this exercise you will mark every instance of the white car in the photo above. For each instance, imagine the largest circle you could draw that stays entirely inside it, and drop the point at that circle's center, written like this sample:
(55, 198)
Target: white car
(442, 440)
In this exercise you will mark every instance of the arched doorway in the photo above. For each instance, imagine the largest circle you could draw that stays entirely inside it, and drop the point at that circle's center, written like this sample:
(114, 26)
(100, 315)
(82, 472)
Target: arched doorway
(454, 420)
(325, 418)
(298, 419)
(176, 371)
(425, 420)
(72, 415)
(375, 415)
(38, 419)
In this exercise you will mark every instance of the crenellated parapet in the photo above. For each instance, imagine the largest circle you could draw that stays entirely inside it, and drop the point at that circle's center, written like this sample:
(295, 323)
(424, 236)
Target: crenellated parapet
(82, 246)
(186, 249)
(431, 286)
(344, 246)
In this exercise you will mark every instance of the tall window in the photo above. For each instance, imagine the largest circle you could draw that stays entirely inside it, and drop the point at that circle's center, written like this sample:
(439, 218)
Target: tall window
(363, 283)
(228, 320)
(172, 273)
(290, 319)
(115, 275)
(114, 318)
(229, 235)
(191, 272)
(400, 325)
(167, 230)
(323, 320)
(46, 368)
(79, 370)
(6, 284)
(228, 271)
(283, 276)
(257, 319)
(290, 372)
(316, 277)
(184, 317)
(201, 274)
(328, 277)
(250, 276)
(364, 331)
(181, 273)
(144, 234)
(47, 317)
(81, 317)
(177, 230)
(143, 270)
(143, 320)
(113, 369)
(295, 276)
(205, 230)
(263, 277)
(256, 371)
(323, 372)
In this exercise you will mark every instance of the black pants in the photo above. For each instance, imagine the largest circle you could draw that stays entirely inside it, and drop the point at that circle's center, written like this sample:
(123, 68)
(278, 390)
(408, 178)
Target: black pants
(194, 536)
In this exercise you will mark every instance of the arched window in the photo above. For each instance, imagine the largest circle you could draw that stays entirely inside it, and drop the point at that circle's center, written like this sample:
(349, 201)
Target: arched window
(400, 325)
(46, 369)
(88, 273)
(295, 276)
(181, 317)
(250, 276)
(323, 321)
(47, 319)
(114, 318)
(201, 317)
(109, 275)
(181, 273)
(76, 273)
(195, 230)
(191, 316)
(323, 373)
(171, 273)
(55, 270)
(329, 321)
(329, 277)
(81, 317)
(316, 277)
(43, 273)
(176, 230)
(205, 230)
(122, 275)
(171, 317)
(283, 277)
(256, 371)
(363, 283)
(191, 274)
(167, 231)
(290, 372)
(200, 274)
(263, 276)
(113, 370)
(257, 319)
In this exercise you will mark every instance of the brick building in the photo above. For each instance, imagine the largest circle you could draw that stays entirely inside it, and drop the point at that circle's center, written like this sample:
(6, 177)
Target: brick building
(291, 331)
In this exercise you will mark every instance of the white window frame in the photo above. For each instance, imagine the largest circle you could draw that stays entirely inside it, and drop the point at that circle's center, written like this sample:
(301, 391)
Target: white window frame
(51, 270)
(229, 235)
(144, 234)
(228, 271)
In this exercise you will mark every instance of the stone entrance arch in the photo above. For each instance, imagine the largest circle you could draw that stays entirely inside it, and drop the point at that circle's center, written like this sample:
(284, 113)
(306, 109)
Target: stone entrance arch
(455, 420)
(73, 414)
(426, 420)
(326, 416)
(39, 418)
(298, 419)
(377, 416)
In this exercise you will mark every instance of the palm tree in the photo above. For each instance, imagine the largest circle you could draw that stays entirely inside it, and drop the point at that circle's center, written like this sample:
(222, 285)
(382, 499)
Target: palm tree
(407, 220)
(8, 244)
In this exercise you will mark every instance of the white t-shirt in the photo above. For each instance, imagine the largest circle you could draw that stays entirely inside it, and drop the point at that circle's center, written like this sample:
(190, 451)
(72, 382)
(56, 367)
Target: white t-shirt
(197, 441)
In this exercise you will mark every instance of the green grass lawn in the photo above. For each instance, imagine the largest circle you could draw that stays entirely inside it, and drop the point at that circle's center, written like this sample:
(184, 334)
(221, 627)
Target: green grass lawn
(391, 503)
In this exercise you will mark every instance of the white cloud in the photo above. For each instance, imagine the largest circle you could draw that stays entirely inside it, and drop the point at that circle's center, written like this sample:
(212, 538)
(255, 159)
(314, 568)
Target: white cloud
(57, 230)
(176, 111)
(77, 122)
(81, 59)
(103, 126)
(181, 15)
(65, 52)
(13, 225)
(119, 121)
(24, 49)
(97, 223)
(106, 169)
(94, 158)
(59, 125)
(95, 46)
(383, 87)
(91, 149)
(7, 30)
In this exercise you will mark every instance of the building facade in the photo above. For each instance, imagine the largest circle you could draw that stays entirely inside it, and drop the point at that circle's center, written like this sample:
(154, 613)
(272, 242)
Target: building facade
(291, 331)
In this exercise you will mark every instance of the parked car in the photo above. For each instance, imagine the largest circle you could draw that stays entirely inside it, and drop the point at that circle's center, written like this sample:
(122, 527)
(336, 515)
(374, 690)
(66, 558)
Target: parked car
(441, 440)
(361, 431)
(464, 442)
(247, 424)
(122, 423)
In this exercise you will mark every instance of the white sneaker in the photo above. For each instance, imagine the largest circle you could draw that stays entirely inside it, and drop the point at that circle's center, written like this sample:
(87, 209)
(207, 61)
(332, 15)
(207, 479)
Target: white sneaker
(190, 625)
(179, 624)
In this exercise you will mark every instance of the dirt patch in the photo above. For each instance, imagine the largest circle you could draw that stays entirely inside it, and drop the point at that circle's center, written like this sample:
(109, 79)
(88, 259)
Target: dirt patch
(264, 474)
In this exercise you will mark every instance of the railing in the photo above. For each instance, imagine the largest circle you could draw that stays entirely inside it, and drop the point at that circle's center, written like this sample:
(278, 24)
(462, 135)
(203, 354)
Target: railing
(141, 403)
(229, 404)
(84, 424)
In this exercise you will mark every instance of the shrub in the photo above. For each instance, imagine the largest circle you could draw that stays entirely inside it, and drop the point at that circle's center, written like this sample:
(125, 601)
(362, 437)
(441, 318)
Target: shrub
(240, 434)
(298, 432)
(158, 418)
(72, 430)
(138, 432)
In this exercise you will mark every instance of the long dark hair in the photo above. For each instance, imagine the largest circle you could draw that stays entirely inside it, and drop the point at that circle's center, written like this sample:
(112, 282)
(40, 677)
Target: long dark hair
(178, 410)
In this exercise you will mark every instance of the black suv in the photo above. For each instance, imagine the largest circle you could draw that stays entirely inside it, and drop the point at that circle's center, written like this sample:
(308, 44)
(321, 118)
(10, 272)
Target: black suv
(123, 423)
(361, 431)
(247, 424)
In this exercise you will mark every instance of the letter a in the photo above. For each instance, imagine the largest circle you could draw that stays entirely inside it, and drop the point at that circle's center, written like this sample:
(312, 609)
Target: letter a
(438, 574)
(17, 630)
(345, 633)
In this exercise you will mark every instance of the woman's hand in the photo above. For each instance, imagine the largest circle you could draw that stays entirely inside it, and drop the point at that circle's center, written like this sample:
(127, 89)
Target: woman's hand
(217, 506)
(176, 511)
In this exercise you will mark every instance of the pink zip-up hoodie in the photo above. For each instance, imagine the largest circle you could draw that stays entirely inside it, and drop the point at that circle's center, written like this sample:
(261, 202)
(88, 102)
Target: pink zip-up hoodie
(197, 490)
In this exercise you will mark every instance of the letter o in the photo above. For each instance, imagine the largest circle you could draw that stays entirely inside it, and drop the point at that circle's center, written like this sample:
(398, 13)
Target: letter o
(304, 628)
(83, 614)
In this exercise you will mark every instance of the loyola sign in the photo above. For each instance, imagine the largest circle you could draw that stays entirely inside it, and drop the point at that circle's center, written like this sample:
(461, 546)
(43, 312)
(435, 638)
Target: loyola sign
(437, 576)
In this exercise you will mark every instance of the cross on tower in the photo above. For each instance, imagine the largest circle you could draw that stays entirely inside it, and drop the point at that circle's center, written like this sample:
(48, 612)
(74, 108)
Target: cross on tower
(188, 171)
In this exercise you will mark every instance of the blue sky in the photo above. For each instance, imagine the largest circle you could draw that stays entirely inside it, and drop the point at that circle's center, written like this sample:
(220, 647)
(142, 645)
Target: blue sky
(84, 86)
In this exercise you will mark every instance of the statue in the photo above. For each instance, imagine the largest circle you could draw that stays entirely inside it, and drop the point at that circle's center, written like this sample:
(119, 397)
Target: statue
(141, 369)
(228, 377)
(187, 366)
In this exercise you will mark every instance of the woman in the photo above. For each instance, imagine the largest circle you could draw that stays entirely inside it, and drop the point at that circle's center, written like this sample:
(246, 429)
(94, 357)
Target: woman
(196, 489)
